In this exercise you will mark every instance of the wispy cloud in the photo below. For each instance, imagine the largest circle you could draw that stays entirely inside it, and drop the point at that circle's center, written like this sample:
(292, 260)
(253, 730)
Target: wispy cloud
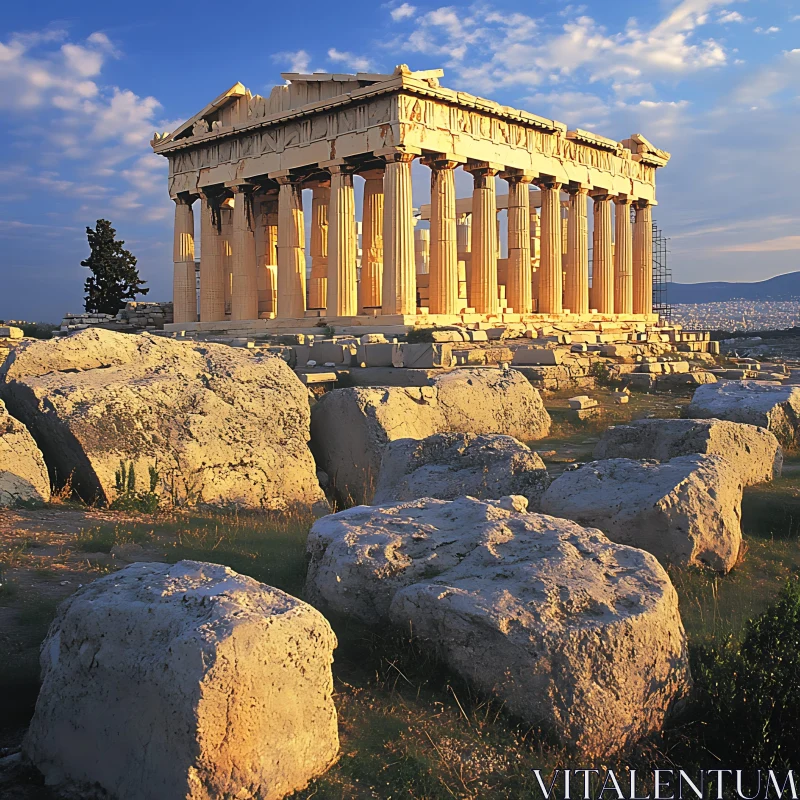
(781, 244)
(293, 60)
(403, 11)
(349, 60)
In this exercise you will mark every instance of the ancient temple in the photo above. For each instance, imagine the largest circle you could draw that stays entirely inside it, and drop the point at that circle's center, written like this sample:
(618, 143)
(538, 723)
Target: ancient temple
(247, 160)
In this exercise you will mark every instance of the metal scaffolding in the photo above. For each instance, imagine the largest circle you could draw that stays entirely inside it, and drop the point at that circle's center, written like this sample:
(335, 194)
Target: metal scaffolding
(662, 275)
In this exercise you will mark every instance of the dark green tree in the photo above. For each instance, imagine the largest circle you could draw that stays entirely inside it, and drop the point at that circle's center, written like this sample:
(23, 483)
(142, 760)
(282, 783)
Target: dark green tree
(114, 278)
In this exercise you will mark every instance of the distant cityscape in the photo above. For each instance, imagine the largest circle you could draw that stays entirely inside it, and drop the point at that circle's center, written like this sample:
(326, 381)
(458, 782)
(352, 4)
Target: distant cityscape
(738, 315)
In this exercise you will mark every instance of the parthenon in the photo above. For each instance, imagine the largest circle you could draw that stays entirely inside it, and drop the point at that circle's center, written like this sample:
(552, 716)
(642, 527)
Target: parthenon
(248, 158)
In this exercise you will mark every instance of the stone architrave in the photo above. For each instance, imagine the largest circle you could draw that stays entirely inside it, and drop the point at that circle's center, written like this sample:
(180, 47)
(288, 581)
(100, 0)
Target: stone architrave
(399, 294)
(643, 258)
(184, 283)
(518, 272)
(576, 289)
(602, 255)
(623, 256)
(318, 282)
(443, 286)
(212, 274)
(291, 249)
(186, 681)
(244, 287)
(371, 285)
(550, 266)
(482, 292)
(342, 297)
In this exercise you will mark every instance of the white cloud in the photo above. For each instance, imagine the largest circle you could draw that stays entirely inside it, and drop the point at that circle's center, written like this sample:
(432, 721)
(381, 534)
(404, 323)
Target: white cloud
(760, 87)
(726, 17)
(351, 61)
(298, 60)
(780, 244)
(403, 11)
(766, 31)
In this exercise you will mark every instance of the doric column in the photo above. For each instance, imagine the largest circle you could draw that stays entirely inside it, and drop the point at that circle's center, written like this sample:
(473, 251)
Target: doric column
(422, 251)
(399, 274)
(318, 282)
(602, 255)
(576, 289)
(536, 252)
(623, 256)
(267, 253)
(643, 258)
(244, 286)
(372, 240)
(550, 277)
(184, 284)
(291, 248)
(342, 297)
(212, 271)
(443, 266)
(482, 283)
(518, 274)
(226, 217)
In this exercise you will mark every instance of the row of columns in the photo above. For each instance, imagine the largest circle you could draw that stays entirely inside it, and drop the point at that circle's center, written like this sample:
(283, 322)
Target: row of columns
(269, 260)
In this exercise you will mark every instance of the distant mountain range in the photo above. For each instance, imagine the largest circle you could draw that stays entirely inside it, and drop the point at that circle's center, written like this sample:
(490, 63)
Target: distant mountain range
(781, 287)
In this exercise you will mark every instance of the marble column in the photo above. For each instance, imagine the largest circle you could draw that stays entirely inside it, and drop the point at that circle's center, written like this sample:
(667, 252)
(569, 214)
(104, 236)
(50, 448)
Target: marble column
(342, 297)
(244, 285)
(267, 254)
(226, 220)
(550, 268)
(576, 289)
(291, 249)
(623, 256)
(371, 241)
(444, 257)
(318, 282)
(643, 258)
(536, 253)
(184, 283)
(399, 273)
(602, 255)
(518, 274)
(422, 251)
(482, 284)
(212, 271)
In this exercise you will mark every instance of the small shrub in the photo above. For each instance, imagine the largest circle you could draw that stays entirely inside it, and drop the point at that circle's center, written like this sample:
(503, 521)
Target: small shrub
(601, 374)
(420, 335)
(749, 690)
(128, 499)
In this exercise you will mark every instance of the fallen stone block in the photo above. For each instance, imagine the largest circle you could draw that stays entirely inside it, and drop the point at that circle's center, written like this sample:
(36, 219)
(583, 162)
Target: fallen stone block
(686, 511)
(450, 465)
(533, 356)
(423, 355)
(377, 354)
(350, 427)
(582, 402)
(23, 474)
(755, 452)
(10, 332)
(573, 633)
(185, 680)
(774, 407)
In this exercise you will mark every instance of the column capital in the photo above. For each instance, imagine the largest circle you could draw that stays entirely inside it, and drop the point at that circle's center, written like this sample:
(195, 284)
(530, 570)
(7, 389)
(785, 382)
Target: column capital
(547, 182)
(600, 195)
(578, 188)
(517, 176)
(338, 166)
(213, 194)
(623, 200)
(642, 203)
(185, 198)
(394, 154)
(443, 160)
(241, 187)
(285, 177)
(374, 174)
(484, 168)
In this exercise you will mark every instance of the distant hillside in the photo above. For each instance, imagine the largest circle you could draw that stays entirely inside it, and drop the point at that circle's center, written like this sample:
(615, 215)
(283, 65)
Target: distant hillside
(781, 287)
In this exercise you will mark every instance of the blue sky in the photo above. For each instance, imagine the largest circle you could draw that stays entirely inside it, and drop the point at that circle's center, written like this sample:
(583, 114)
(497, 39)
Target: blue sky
(83, 86)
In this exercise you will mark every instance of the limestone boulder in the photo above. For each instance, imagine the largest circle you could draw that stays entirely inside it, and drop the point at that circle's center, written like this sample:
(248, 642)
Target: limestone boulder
(450, 465)
(573, 633)
(23, 474)
(350, 427)
(219, 425)
(774, 407)
(184, 681)
(754, 451)
(686, 511)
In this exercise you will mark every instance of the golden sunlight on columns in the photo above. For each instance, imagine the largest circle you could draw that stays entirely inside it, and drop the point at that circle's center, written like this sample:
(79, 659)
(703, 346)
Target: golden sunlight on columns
(184, 284)
(371, 241)
(444, 239)
(550, 275)
(244, 285)
(342, 297)
(576, 289)
(318, 282)
(602, 255)
(267, 253)
(422, 251)
(291, 248)
(226, 220)
(518, 275)
(482, 282)
(399, 272)
(643, 258)
(212, 275)
(623, 256)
